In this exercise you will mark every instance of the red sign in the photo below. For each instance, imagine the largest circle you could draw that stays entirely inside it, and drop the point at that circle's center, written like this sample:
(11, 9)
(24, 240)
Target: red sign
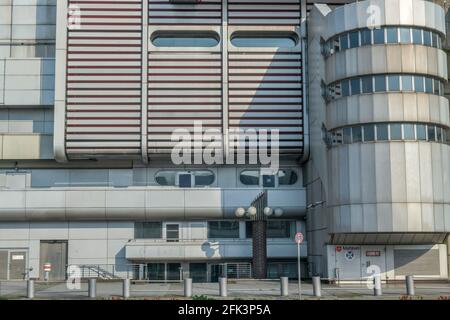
(338, 248)
(47, 267)
(374, 253)
(299, 238)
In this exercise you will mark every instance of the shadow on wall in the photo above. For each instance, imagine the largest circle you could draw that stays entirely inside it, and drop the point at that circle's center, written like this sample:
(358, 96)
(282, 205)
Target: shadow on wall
(208, 249)
(417, 262)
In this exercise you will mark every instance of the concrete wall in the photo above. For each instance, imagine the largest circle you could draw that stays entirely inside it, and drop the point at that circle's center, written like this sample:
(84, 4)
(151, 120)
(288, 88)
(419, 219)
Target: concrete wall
(27, 50)
(378, 187)
(389, 187)
(397, 186)
(27, 28)
(315, 173)
(358, 263)
(77, 194)
(107, 243)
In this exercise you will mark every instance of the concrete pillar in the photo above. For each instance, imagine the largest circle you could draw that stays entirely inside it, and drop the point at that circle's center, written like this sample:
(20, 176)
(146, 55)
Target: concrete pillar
(317, 290)
(223, 290)
(377, 286)
(30, 289)
(126, 288)
(92, 288)
(284, 286)
(188, 287)
(410, 291)
(259, 249)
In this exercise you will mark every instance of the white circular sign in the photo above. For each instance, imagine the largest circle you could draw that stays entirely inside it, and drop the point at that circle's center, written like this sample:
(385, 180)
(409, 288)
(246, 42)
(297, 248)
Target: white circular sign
(349, 255)
(299, 237)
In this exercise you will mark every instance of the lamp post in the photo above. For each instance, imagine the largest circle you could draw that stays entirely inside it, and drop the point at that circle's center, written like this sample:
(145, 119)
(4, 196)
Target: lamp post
(258, 214)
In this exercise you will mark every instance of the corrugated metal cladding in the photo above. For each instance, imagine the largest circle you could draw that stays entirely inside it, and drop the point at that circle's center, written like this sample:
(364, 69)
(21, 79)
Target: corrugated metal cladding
(223, 86)
(103, 113)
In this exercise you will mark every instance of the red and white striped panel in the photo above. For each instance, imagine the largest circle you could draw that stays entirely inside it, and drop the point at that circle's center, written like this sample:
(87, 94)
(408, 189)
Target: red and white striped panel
(265, 92)
(264, 12)
(103, 115)
(206, 12)
(183, 87)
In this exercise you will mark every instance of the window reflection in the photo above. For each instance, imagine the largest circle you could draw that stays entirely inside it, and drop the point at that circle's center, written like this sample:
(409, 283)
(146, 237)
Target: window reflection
(390, 132)
(383, 83)
(185, 39)
(384, 35)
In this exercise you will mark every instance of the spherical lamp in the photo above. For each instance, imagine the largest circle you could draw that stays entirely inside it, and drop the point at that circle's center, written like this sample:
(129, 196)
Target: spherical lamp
(251, 211)
(240, 212)
(278, 212)
(268, 211)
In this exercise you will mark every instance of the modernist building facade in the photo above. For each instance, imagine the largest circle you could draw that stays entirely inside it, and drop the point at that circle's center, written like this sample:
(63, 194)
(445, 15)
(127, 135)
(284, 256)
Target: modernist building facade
(92, 91)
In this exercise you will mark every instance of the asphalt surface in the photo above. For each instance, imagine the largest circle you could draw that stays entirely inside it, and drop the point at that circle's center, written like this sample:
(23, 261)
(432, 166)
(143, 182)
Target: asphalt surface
(241, 289)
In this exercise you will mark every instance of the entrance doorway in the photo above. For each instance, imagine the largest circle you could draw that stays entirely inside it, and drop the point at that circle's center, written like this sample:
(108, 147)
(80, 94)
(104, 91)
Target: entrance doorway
(55, 253)
(359, 262)
(373, 259)
(13, 264)
(198, 272)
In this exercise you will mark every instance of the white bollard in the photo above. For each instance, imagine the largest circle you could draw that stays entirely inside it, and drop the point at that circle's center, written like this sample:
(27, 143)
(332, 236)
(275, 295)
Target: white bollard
(284, 286)
(377, 286)
(188, 287)
(223, 290)
(92, 288)
(410, 291)
(126, 288)
(316, 286)
(30, 289)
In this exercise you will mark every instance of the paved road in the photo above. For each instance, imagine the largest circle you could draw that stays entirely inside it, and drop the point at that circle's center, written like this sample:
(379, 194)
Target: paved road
(236, 290)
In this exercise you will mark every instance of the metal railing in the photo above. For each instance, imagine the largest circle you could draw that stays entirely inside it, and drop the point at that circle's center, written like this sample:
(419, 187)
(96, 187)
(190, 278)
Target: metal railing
(141, 272)
(101, 271)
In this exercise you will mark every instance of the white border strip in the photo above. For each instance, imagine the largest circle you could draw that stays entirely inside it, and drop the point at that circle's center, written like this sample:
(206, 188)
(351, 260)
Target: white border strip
(59, 135)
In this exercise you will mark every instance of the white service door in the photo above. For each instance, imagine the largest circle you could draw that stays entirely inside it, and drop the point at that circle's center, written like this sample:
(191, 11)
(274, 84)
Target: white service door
(373, 259)
(348, 262)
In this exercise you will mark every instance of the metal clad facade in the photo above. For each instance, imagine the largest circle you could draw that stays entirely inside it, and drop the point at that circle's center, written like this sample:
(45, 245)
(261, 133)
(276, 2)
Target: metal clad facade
(162, 12)
(104, 79)
(184, 87)
(265, 93)
(125, 95)
(265, 84)
(264, 12)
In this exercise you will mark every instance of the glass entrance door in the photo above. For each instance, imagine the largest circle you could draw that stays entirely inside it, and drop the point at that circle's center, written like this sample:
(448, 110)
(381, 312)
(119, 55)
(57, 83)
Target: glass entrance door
(155, 271)
(173, 271)
(217, 271)
(198, 272)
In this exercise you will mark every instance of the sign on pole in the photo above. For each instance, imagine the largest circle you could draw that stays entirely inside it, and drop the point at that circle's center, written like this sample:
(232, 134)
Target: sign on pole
(47, 267)
(299, 239)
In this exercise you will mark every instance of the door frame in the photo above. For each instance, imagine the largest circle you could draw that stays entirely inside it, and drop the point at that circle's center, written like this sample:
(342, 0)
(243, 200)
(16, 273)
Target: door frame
(8, 262)
(365, 259)
(66, 262)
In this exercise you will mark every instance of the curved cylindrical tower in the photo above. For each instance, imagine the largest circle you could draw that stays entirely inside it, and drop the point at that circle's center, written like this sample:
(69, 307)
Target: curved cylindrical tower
(387, 119)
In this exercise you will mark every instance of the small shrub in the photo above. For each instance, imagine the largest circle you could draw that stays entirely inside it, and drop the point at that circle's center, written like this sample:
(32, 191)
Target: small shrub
(202, 297)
